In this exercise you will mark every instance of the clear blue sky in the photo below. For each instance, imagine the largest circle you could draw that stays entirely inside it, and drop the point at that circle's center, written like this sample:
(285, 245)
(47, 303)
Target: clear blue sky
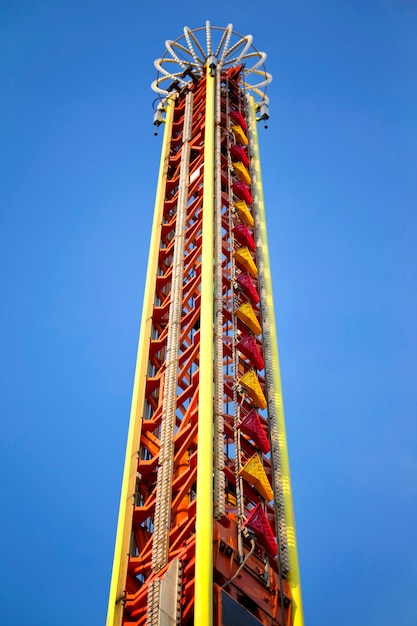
(77, 181)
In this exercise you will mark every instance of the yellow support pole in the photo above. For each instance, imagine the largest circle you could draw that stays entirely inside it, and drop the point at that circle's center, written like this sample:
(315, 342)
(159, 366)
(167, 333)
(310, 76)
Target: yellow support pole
(203, 593)
(294, 576)
(124, 524)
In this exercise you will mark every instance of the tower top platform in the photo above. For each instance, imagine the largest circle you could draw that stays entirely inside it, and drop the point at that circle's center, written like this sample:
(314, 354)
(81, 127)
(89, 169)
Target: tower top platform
(212, 46)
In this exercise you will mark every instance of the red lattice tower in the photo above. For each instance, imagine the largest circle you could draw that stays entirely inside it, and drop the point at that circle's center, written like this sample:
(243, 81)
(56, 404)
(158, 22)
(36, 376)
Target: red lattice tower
(206, 533)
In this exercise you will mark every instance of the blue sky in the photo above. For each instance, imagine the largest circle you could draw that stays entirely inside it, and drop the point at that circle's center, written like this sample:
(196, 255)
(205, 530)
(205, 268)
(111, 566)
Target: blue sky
(77, 181)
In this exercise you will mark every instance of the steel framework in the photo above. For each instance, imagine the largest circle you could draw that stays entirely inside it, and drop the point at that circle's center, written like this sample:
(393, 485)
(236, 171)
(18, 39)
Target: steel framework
(206, 530)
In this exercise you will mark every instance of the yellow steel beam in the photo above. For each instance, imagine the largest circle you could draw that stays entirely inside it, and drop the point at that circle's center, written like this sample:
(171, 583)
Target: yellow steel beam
(124, 524)
(294, 576)
(203, 593)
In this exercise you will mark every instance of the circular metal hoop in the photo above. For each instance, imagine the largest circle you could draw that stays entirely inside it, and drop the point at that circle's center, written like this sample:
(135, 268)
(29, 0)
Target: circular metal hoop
(187, 56)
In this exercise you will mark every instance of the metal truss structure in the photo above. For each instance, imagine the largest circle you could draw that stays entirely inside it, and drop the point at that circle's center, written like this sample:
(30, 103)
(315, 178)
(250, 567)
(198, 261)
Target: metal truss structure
(206, 530)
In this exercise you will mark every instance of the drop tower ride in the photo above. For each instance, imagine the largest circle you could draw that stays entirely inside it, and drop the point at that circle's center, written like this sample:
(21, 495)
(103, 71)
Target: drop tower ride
(206, 532)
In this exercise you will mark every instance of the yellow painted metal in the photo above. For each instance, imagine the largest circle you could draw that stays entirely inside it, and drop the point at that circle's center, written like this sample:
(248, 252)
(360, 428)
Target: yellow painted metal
(294, 576)
(244, 258)
(242, 172)
(254, 389)
(203, 593)
(239, 133)
(243, 212)
(247, 315)
(254, 473)
(124, 524)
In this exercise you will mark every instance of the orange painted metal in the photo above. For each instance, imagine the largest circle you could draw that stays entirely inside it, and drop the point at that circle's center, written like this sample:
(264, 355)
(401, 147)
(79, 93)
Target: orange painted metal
(256, 583)
(182, 530)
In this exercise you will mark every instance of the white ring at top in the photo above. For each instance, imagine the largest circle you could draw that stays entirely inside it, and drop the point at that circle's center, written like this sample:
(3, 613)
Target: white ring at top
(192, 49)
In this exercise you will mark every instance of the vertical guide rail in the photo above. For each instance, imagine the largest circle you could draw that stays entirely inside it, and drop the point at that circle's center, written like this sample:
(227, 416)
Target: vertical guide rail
(124, 523)
(260, 225)
(235, 358)
(219, 480)
(203, 598)
(162, 519)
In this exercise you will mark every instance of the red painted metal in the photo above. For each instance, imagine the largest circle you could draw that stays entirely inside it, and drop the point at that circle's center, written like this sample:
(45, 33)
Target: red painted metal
(252, 427)
(249, 348)
(238, 153)
(258, 523)
(247, 285)
(243, 236)
(242, 192)
(237, 118)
